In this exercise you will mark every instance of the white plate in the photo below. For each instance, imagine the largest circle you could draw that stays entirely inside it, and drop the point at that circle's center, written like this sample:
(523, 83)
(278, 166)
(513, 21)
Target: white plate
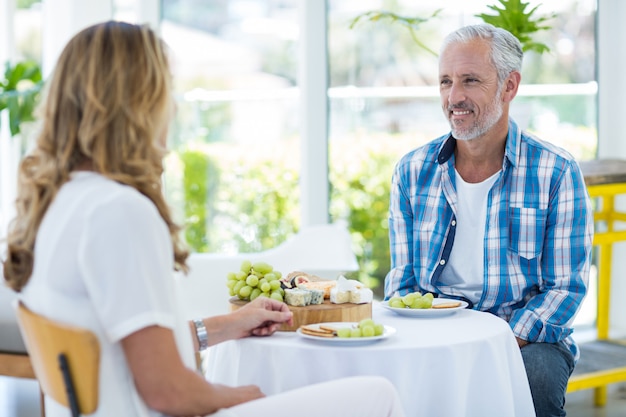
(427, 312)
(346, 340)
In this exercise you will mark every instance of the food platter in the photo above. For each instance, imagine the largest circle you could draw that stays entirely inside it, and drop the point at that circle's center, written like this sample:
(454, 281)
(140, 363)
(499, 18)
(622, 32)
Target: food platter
(388, 331)
(428, 312)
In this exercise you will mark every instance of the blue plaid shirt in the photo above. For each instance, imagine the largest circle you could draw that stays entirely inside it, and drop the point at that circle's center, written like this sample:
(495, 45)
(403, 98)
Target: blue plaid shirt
(538, 233)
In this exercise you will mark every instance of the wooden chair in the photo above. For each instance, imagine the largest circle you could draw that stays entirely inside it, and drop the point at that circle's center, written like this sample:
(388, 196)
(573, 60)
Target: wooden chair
(66, 360)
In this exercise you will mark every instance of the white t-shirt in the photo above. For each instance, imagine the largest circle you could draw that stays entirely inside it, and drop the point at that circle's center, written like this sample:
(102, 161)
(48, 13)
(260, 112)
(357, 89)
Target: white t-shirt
(103, 261)
(464, 274)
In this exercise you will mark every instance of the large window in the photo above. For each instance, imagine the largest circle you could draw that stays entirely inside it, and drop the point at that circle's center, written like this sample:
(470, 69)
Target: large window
(233, 170)
(234, 174)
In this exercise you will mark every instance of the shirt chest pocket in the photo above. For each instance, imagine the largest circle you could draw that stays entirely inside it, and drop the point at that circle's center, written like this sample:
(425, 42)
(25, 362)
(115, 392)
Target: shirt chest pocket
(527, 227)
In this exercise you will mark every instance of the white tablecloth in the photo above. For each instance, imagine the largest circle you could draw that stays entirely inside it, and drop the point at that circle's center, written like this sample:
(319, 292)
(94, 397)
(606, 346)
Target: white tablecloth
(467, 364)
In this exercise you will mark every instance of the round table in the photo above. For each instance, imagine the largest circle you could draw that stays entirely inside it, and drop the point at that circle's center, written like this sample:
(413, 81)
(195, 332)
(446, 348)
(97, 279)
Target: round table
(464, 364)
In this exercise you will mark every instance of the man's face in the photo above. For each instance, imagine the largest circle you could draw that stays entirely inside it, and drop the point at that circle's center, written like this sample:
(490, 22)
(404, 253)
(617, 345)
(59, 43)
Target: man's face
(468, 84)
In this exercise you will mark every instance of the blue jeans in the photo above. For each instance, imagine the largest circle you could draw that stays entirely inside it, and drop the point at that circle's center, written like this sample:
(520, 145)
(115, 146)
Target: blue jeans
(548, 366)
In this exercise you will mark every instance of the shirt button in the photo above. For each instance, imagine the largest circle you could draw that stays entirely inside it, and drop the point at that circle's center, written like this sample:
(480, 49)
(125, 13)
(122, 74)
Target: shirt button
(442, 262)
(453, 222)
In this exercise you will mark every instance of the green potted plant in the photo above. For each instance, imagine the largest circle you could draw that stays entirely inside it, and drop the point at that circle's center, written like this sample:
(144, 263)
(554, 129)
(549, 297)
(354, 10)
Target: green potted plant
(19, 91)
(514, 18)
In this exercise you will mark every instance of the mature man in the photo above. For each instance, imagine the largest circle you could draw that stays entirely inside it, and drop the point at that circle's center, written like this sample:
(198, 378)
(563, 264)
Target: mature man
(493, 215)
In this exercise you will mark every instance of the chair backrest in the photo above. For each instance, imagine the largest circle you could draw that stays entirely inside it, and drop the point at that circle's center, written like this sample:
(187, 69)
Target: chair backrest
(45, 340)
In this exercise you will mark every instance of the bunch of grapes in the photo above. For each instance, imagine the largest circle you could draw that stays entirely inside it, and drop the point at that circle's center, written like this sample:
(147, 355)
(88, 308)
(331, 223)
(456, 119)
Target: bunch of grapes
(255, 280)
(412, 300)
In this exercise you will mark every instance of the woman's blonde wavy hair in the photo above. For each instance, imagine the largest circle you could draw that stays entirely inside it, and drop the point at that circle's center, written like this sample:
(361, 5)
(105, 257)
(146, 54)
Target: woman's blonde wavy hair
(107, 106)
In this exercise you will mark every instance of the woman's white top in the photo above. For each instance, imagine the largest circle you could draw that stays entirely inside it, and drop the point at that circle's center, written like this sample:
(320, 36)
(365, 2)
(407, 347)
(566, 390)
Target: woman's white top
(104, 261)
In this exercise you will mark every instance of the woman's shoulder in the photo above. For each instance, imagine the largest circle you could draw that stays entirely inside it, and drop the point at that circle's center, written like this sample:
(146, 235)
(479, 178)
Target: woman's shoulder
(99, 194)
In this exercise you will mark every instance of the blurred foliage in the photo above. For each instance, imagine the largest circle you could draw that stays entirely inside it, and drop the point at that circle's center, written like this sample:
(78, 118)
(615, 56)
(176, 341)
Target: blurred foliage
(252, 202)
(513, 18)
(19, 91)
(26, 4)
(200, 181)
(411, 23)
(255, 205)
(361, 180)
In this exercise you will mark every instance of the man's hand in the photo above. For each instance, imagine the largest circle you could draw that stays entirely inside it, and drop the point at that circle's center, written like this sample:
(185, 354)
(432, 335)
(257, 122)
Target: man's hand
(521, 342)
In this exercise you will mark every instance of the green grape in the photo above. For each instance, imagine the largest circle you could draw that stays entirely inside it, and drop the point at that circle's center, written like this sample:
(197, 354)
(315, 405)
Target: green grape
(278, 274)
(245, 266)
(421, 303)
(270, 276)
(379, 329)
(231, 292)
(255, 293)
(408, 299)
(262, 267)
(257, 273)
(244, 292)
(429, 295)
(366, 322)
(355, 332)
(252, 280)
(239, 285)
(396, 303)
(275, 284)
(344, 332)
(367, 330)
(231, 276)
(231, 283)
(277, 296)
(265, 287)
(241, 276)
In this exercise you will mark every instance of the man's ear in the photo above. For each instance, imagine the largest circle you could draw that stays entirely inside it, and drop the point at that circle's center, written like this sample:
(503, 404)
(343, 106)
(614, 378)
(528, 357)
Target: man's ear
(511, 84)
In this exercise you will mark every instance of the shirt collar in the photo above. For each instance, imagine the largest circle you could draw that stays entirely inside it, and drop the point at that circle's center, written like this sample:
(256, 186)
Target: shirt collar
(511, 151)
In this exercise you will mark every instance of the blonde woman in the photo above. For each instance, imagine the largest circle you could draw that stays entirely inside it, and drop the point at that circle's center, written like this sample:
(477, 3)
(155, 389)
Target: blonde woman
(94, 244)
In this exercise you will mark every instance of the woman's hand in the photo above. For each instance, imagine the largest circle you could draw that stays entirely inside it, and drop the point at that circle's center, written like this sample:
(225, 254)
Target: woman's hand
(261, 317)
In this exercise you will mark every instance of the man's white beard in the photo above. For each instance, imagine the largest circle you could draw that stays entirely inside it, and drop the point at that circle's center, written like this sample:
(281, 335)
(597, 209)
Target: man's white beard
(492, 114)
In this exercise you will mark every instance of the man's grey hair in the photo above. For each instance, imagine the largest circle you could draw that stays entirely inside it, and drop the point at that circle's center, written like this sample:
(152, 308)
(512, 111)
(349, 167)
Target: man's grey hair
(506, 49)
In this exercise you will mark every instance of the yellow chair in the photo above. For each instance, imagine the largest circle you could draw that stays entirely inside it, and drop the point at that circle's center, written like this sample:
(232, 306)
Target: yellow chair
(66, 360)
(603, 361)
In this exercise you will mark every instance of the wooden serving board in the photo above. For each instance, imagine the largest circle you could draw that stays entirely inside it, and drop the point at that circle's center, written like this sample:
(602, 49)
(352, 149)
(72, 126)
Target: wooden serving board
(321, 313)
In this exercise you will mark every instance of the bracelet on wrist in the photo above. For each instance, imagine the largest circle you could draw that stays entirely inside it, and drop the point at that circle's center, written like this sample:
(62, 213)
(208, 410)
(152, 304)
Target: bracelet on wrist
(201, 334)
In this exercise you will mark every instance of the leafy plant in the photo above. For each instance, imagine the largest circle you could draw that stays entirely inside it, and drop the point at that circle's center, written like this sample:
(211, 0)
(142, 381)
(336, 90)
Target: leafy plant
(512, 17)
(411, 23)
(19, 92)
